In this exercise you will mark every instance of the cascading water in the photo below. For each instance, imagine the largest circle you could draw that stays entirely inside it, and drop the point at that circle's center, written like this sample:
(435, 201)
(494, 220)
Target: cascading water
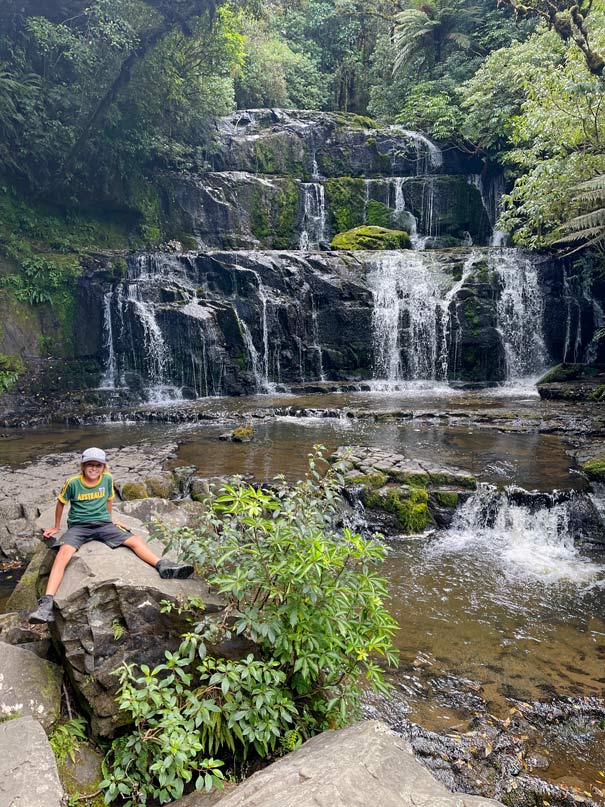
(428, 156)
(527, 536)
(409, 318)
(519, 314)
(492, 191)
(313, 223)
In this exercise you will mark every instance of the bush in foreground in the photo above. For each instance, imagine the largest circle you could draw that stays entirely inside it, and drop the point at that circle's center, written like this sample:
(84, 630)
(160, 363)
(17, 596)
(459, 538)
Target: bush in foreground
(306, 594)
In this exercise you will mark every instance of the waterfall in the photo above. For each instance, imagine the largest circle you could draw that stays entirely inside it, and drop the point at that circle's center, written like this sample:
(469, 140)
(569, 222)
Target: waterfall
(313, 221)
(491, 197)
(519, 314)
(527, 534)
(410, 317)
(316, 344)
(255, 365)
(428, 156)
(108, 381)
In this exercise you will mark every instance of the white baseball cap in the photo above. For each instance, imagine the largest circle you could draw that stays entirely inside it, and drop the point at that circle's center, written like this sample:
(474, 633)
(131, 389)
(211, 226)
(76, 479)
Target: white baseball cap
(94, 455)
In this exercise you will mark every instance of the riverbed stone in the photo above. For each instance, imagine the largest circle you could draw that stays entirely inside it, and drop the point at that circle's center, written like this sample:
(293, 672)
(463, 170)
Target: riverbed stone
(364, 764)
(29, 685)
(28, 771)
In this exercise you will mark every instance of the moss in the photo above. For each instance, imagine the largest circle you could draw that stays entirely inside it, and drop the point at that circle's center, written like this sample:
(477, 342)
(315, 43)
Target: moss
(375, 479)
(285, 215)
(378, 214)
(458, 479)
(598, 394)
(408, 505)
(346, 200)
(260, 216)
(562, 372)
(134, 490)
(446, 498)
(369, 237)
(162, 486)
(595, 468)
(243, 434)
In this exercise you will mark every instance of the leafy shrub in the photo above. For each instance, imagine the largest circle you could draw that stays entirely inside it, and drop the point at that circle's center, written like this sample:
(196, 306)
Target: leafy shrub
(66, 737)
(305, 593)
(11, 368)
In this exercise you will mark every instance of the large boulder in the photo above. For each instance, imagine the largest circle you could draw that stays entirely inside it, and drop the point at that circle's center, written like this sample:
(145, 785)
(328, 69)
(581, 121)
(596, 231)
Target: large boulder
(109, 611)
(361, 765)
(28, 771)
(29, 685)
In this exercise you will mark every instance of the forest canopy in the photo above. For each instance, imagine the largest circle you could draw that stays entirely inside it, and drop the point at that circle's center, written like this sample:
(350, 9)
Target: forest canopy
(96, 95)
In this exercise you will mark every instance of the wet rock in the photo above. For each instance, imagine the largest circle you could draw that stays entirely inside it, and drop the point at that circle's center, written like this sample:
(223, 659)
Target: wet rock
(364, 764)
(82, 774)
(400, 494)
(133, 490)
(29, 685)
(28, 771)
(26, 592)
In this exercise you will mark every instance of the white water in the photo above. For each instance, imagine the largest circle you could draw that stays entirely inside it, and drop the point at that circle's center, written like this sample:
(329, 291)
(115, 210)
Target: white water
(314, 222)
(408, 317)
(108, 381)
(523, 541)
(519, 315)
(428, 156)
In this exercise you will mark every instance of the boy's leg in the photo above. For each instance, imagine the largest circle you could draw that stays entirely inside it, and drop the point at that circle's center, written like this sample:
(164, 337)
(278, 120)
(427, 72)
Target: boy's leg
(141, 550)
(44, 611)
(64, 555)
(166, 568)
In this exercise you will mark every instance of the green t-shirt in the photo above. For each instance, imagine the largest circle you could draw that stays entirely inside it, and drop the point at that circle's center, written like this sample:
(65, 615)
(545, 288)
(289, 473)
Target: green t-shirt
(87, 502)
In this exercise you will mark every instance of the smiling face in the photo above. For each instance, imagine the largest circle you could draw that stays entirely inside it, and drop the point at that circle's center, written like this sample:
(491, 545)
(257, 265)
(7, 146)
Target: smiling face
(91, 471)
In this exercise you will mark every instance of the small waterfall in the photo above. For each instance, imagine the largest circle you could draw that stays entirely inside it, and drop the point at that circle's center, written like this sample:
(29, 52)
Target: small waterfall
(313, 222)
(491, 192)
(519, 314)
(266, 384)
(316, 345)
(255, 365)
(110, 375)
(428, 156)
(528, 534)
(429, 223)
(409, 318)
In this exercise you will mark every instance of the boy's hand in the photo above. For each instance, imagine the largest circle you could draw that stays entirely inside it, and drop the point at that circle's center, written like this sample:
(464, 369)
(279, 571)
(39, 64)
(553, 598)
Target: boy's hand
(50, 532)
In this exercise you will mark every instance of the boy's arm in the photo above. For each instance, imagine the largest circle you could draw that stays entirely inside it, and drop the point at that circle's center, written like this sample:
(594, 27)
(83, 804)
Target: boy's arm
(58, 515)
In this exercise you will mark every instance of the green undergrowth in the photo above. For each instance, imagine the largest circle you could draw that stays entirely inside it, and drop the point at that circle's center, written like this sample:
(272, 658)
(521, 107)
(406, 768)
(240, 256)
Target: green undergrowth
(11, 368)
(305, 597)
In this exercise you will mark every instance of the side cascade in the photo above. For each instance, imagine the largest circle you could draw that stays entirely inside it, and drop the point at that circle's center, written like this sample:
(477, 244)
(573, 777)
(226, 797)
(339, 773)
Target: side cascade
(528, 534)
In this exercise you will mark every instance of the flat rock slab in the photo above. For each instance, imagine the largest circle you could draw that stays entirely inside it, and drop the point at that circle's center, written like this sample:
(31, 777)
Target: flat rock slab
(29, 685)
(28, 771)
(361, 766)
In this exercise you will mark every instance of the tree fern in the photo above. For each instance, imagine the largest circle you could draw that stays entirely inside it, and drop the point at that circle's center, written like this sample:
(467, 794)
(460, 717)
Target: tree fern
(587, 229)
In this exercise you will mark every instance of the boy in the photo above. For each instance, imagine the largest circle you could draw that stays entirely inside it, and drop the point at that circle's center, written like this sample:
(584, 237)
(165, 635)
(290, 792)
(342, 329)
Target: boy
(90, 495)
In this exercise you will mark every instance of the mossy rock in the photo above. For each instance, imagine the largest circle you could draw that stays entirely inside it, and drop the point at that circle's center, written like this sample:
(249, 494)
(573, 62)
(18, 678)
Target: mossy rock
(446, 498)
(82, 775)
(562, 372)
(409, 505)
(375, 479)
(598, 394)
(372, 237)
(25, 594)
(595, 468)
(243, 434)
(163, 486)
(134, 490)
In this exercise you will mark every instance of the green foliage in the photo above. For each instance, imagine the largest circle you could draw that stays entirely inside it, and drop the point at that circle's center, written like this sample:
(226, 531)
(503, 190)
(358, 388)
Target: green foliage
(11, 368)
(66, 737)
(305, 593)
(368, 237)
(117, 629)
(588, 228)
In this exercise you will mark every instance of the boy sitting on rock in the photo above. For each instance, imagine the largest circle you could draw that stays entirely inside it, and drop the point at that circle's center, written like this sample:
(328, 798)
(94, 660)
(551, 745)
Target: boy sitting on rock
(90, 494)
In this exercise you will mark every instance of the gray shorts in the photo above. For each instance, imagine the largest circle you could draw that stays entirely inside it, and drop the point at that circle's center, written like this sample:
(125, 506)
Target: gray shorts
(104, 531)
